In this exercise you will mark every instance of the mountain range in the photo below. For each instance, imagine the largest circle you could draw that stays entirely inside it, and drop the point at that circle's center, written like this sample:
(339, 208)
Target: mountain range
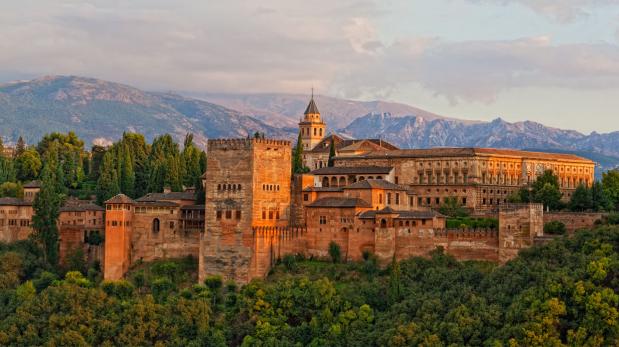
(100, 111)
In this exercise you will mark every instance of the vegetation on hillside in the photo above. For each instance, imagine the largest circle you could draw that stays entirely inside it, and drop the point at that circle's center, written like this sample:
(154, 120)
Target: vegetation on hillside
(563, 293)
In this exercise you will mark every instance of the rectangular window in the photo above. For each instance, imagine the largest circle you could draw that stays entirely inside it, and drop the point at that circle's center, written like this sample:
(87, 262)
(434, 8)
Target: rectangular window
(277, 214)
(428, 201)
(218, 215)
(305, 197)
(464, 201)
(270, 214)
(171, 225)
(438, 200)
(388, 198)
(228, 214)
(397, 198)
(323, 220)
(264, 214)
(423, 222)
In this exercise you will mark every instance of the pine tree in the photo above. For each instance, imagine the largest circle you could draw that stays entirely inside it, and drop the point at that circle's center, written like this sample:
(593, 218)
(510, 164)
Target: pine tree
(107, 185)
(1, 146)
(331, 152)
(600, 199)
(47, 209)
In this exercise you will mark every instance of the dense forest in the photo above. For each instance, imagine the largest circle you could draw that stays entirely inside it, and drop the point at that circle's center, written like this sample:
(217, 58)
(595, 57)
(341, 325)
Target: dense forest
(564, 293)
(131, 166)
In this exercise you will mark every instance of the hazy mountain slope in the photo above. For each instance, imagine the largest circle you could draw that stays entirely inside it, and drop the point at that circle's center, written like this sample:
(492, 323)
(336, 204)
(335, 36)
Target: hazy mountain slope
(97, 109)
(418, 132)
(285, 109)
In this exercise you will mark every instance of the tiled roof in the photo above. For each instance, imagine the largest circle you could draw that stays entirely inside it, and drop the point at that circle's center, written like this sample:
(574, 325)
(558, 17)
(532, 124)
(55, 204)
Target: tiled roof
(465, 152)
(167, 196)
(339, 202)
(160, 203)
(14, 202)
(81, 207)
(375, 184)
(349, 170)
(311, 108)
(33, 184)
(402, 214)
(323, 189)
(193, 207)
(340, 143)
(120, 199)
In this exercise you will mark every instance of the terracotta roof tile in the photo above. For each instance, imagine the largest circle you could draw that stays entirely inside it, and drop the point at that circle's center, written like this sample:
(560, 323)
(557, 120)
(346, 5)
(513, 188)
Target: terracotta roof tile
(120, 199)
(343, 170)
(339, 202)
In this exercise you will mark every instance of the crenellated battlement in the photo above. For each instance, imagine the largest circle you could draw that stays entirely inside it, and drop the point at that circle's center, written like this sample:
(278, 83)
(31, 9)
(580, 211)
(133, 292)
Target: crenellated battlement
(243, 143)
(520, 207)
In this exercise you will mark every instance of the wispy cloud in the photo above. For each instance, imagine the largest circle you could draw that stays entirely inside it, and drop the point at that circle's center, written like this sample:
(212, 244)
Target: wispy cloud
(561, 10)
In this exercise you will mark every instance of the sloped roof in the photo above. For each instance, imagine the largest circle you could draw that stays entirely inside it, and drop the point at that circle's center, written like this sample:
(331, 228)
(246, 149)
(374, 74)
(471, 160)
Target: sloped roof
(323, 189)
(340, 143)
(159, 203)
(426, 214)
(167, 196)
(349, 170)
(120, 199)
(339, 202)
(14, 202)
(33, 184)
(311, 107)
(466, 152)
(376, 184)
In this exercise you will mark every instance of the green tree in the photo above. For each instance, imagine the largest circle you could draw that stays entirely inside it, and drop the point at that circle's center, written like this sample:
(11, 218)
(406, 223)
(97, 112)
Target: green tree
(331, 152)
(555, 227)
(7, 170)
(297, 157)
(546, 190)
(452, 208)
(97, 159)
(28, 165)
(11, 189)
(107, 185)
(335, 252)
(599, 197)
(46, 208)
(127, 175)
(581, 199)
(610, 184)
(20, 147)
(395, 281)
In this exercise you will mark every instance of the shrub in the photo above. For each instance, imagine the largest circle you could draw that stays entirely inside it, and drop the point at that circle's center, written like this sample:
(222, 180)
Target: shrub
(290, 262)
(555, 227)
(613, 218)
(120, 289)
(334, 252)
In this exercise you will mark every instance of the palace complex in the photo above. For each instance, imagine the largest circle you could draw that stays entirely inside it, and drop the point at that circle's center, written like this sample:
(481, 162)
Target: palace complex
(374, 199)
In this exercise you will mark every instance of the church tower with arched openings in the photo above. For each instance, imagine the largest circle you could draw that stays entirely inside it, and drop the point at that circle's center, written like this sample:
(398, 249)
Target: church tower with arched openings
(312, 128)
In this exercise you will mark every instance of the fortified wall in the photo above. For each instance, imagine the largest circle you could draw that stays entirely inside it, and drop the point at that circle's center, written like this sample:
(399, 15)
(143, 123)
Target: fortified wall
(574, 220)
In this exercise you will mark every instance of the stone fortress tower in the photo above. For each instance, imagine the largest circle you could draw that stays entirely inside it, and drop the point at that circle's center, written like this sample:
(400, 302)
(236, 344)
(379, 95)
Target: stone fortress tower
(248, 185)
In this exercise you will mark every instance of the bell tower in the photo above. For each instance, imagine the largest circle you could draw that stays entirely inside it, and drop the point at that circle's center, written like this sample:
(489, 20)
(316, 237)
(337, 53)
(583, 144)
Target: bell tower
(312, 128)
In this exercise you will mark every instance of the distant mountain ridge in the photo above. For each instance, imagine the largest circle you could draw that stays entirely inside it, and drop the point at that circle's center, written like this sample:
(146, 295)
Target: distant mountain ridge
(101, 110)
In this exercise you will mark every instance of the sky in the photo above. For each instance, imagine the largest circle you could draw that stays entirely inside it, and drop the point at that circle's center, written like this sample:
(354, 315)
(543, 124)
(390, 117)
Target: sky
(551, 61)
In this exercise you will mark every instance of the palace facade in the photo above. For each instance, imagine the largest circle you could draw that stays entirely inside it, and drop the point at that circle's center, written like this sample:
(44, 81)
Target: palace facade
(375, 199)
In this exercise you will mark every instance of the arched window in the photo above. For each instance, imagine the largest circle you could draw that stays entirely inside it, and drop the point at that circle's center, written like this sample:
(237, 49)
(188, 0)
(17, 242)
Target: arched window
(219, 187)
(238, 187)
(383, 223)
(325, 181)
(156, 225)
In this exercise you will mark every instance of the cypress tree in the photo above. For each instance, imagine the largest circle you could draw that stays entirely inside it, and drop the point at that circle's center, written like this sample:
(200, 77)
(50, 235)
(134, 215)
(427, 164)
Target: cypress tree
(331, 151)
(297, 158)
(395, 281)
(46, 206)
(127, 178)
(107, 185)
(20, 147)
(7, 170)
(1, 147)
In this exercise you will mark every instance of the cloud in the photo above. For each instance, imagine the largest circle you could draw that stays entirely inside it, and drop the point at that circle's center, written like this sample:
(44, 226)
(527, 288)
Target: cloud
(281, 46)
(564, 11)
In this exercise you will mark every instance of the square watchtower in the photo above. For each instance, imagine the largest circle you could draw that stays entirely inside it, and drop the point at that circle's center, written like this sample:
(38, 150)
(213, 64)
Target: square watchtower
(247, 184)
